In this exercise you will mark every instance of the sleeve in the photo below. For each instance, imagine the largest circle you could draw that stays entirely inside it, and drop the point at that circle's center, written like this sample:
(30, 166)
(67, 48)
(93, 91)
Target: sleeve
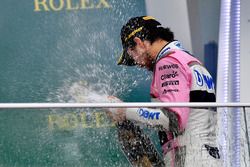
(173, 84)
(149, 116)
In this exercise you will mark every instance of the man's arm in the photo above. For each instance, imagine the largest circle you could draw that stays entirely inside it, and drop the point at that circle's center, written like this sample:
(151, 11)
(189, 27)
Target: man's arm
(149, 116)
(152, 117)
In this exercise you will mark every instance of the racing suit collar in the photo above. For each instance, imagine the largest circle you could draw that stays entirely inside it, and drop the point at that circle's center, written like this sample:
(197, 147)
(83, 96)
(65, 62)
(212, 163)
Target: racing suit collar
(167, 49)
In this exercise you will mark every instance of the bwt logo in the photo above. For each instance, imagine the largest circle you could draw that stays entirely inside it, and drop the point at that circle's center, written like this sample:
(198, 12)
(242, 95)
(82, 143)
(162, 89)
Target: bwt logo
(147, 114)
(202, 78)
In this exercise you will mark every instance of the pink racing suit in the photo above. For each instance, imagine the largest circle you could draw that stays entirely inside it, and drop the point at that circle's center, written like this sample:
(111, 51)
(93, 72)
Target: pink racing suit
(191, 138)
(187, 135)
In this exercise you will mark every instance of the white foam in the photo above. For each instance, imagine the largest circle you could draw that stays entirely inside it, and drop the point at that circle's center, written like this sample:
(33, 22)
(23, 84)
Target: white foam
(82, 93)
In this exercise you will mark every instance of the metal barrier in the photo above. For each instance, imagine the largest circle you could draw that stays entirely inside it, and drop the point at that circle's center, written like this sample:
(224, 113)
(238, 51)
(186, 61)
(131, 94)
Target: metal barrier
(114, 105)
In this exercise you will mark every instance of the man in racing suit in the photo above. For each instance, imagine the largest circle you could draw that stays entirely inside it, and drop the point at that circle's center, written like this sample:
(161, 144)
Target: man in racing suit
(187, 135)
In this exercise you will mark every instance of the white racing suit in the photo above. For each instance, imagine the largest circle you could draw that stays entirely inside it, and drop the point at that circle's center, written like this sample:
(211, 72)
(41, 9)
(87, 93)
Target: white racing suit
(187, 135)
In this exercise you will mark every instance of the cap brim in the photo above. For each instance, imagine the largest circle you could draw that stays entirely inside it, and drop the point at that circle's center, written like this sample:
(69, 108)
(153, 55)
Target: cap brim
(125, 59)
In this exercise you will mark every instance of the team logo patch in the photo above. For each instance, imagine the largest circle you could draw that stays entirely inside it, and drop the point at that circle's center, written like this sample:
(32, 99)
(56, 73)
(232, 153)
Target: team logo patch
(147, 114)
(167, 83)
(168, 66)
(202, 79)
(170, 75)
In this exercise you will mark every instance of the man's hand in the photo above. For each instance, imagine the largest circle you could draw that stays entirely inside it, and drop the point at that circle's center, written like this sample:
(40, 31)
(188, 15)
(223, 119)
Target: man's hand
(116, 114)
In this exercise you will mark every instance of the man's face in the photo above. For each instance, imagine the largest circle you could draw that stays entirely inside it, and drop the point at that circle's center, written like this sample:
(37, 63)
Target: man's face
(140, 54)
